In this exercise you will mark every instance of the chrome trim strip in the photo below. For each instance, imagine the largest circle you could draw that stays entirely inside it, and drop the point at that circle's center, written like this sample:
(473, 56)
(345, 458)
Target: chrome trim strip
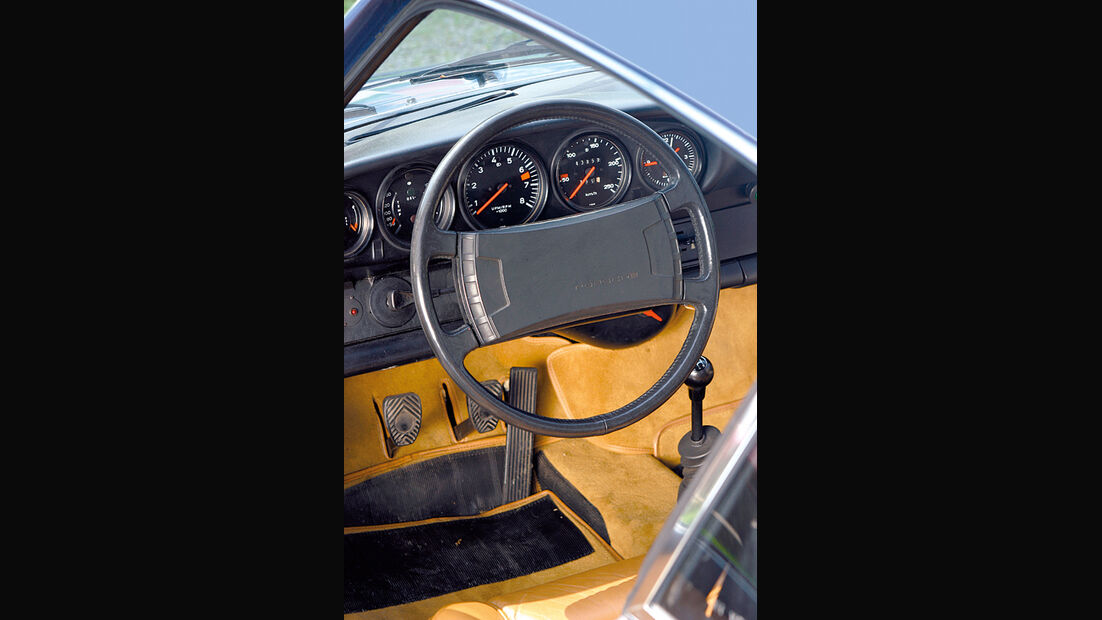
(695, 505)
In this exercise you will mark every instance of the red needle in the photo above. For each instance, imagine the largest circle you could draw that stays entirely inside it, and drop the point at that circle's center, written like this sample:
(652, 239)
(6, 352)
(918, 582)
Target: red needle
(582, 183)
(492, 199)
(651, 163)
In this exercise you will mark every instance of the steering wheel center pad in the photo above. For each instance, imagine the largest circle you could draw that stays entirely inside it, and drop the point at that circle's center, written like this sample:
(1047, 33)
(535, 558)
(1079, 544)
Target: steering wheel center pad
(530, 278)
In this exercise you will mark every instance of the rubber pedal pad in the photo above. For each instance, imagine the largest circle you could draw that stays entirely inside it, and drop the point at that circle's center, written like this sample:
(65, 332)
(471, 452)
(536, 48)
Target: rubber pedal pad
(402, 414)
(519, 442)
(483, 420)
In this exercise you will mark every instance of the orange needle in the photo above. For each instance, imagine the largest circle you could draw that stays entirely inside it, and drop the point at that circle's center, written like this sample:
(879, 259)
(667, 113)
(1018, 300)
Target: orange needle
(487, 203)
(650, 163)
(582, 183)
(354, 226)
(713, 595)
(677, 149)
(654, 315)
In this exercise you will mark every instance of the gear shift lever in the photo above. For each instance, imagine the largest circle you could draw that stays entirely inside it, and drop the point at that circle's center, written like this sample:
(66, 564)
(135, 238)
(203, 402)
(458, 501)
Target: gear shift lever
(697, 444)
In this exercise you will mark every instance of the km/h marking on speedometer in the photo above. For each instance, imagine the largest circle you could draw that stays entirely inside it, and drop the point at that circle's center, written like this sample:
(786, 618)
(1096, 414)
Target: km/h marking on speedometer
(592, 171)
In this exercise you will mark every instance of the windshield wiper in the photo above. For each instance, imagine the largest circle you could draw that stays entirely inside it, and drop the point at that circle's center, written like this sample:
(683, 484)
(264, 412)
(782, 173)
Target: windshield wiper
(479, 63)
(429, 75)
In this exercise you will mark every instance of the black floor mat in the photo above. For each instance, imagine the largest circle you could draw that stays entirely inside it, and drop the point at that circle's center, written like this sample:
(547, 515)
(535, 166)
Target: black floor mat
(402, 565)
(553, 481)
(454, 485)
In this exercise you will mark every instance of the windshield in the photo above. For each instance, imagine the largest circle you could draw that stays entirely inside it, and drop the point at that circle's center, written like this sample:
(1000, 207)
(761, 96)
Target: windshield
(444, 37)
(452, 54)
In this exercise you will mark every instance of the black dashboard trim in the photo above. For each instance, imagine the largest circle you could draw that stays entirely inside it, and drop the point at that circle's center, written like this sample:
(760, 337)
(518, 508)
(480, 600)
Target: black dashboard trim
(413, 346)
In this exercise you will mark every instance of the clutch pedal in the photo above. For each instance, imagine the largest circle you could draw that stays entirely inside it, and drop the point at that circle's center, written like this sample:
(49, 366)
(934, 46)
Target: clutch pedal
(402, 414)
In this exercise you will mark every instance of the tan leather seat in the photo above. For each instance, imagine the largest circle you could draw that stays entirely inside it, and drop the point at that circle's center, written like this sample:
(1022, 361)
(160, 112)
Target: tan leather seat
(598, 594)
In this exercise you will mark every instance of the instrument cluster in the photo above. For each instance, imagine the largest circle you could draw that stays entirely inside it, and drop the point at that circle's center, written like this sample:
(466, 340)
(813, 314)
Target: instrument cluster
(508, 183)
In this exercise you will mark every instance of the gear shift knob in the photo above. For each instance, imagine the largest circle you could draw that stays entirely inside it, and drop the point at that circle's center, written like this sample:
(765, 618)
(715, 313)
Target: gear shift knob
(700, 376)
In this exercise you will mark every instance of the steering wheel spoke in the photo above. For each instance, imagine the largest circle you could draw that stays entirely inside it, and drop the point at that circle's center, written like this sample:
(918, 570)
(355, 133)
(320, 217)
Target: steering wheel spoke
(697, 293)
(440, 243)
(459, 343)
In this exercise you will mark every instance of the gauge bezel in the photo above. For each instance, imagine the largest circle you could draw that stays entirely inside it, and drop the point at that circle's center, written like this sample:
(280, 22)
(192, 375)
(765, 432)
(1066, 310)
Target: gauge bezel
(691, 137)
(367, 215)
(628, 165)
(461, 179)
(447, 213)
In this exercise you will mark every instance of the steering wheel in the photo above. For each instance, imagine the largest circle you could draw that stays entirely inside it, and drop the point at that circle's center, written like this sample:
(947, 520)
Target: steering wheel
(526, 279)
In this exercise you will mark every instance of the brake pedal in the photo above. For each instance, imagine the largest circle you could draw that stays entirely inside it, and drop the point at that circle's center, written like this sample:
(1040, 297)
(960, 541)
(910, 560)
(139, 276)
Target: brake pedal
(518, 442)
(478, 419)
(402, 414)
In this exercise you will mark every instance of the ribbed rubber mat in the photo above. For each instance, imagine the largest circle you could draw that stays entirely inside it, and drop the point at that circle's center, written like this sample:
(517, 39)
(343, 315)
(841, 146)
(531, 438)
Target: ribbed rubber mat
(401, 565)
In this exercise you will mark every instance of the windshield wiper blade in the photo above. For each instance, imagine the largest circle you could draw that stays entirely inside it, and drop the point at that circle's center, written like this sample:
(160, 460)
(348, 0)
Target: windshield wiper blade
(455, 71)
(479, 63)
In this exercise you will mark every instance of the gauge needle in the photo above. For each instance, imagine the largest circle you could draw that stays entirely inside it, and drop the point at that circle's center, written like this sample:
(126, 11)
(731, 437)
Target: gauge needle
(591, 169)
(651, 163)
(487, 203)
(354, 226)
(713, 595)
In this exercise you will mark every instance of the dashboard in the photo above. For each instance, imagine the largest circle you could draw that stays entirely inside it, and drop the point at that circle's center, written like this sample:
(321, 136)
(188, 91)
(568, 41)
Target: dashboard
(543, 174)
(535, 172)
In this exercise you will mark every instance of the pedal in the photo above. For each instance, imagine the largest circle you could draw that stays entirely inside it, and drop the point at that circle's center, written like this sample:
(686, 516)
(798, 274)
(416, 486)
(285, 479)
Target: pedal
(478, 419)
(402, 414)
(518, 442)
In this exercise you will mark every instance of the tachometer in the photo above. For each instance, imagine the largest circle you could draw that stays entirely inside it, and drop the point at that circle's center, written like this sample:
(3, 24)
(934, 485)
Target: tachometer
(591, 171)
(685, 147)
(400, 198)
(358, 223)
(502, 186)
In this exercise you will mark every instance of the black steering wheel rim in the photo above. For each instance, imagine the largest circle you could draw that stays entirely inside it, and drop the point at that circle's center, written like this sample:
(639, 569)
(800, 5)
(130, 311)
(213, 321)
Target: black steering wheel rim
(644, 230)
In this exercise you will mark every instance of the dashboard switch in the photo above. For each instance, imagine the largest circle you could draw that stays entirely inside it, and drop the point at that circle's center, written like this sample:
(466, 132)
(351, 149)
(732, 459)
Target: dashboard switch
(353, 310)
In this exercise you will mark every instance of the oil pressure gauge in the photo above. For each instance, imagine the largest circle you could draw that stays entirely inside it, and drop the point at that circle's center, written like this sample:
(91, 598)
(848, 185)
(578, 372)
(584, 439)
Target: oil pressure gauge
(358, 223)
(684, 146)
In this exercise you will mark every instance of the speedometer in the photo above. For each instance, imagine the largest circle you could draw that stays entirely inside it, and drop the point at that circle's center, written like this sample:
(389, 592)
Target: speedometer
(591, 171)
(504, 185)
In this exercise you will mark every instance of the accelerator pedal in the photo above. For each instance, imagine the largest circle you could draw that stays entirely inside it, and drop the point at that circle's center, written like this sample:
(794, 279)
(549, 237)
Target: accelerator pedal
(478, 419)
(402, 414)
(518, 442)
